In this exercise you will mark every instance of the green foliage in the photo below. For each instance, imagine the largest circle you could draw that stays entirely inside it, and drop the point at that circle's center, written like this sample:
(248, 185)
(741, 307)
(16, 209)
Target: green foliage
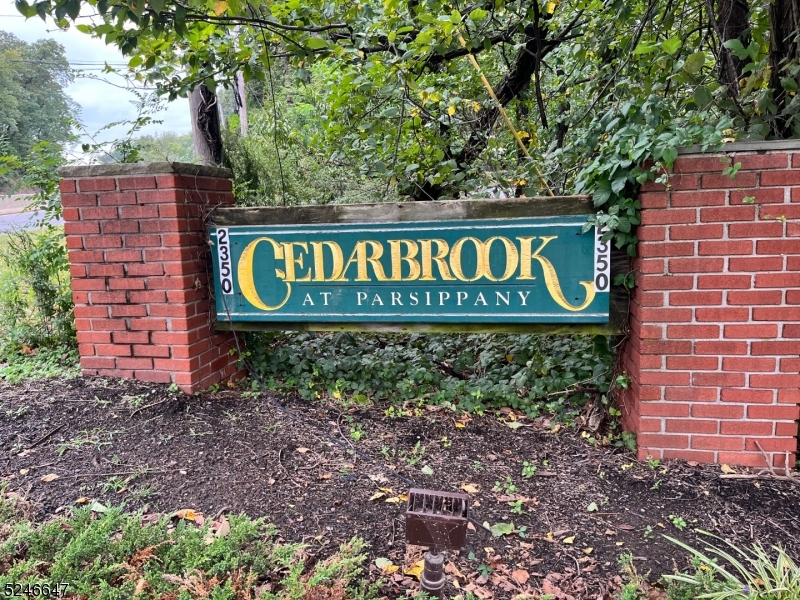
(37, 334)
(36, 307)
(105, 556)
(633, 588)
(166, 146)
(531, 373)
(37, 171)
(603, 92)
(730, 572)
(35, 107)
(278, 164)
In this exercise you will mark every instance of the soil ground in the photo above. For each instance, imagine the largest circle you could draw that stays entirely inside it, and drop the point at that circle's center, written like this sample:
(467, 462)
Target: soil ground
(154, 449)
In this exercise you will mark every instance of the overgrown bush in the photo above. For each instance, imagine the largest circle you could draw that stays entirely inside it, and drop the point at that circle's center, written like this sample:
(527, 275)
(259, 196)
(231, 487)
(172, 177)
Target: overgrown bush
(37, 330)
(109, 554)
(277, 162)
(533, 373)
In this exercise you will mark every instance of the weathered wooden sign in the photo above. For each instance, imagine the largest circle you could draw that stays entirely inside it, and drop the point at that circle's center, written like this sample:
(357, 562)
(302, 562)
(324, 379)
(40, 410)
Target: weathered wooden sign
(466, 264)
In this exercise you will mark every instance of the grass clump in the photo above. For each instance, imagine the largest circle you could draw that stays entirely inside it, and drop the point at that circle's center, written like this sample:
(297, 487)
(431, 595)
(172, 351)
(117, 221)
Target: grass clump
(533, 373)
(728, 572)
(114, 555)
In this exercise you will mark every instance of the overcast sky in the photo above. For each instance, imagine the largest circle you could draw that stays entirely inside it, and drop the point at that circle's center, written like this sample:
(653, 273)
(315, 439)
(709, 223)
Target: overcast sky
(100, 101)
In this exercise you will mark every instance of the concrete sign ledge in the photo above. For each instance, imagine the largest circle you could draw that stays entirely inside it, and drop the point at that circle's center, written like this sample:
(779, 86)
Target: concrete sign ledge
(747, 146)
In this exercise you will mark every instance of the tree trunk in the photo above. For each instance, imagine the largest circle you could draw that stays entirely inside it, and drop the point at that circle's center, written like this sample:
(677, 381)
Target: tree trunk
(784, 20)
(206, 126)
(731, 24)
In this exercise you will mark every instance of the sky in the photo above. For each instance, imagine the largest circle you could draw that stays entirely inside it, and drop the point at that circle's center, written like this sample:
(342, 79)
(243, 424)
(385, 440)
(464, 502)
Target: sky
(100, 101)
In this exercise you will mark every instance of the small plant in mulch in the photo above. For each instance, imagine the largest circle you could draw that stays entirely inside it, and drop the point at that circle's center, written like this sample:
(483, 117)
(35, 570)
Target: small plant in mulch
(105, 553)
(725, 571)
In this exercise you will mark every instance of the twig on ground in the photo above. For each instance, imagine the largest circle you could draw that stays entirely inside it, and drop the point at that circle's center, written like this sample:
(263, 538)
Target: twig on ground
(766, 475)
(141, 408)
(45, 436)
(120, 473)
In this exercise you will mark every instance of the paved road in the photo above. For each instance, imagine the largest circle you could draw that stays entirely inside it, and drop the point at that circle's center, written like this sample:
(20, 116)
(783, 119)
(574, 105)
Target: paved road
(20, 221)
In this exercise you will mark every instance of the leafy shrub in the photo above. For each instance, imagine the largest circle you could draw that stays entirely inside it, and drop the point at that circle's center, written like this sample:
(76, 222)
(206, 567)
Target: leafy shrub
(36, 308)
(532, 373)
(276, 164)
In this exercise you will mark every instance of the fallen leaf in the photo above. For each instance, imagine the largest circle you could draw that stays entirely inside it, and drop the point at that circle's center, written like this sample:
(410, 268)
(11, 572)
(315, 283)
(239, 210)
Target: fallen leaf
(513, 424)
(379, 478)
(377, 496)
(24, 471)
(394, 500)
(470, 488)
(82, 500)
(588, 550)
(460, 425)
(521, 576)
(385, 565)
(620, 543)
(692, 463)
(416, 570)
(451, 569)
(726, 469)
(325, 476)
(302, 450)
(426, 470)
(569, 540)
(556, 428)
(501, 529)
(97, 507)
(224, 527)
(49, 477)
(140, 585)
(190, 515)
(592, 507)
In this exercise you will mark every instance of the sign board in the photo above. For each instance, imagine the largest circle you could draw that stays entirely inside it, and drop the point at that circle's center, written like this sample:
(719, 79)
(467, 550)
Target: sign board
(432, 264)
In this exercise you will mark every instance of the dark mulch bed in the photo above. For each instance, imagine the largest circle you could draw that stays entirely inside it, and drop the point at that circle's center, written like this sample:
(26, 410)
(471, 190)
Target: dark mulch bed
(232, 452)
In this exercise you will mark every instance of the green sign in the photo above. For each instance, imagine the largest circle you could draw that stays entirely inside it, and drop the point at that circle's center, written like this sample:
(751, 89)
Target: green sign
(491, 270)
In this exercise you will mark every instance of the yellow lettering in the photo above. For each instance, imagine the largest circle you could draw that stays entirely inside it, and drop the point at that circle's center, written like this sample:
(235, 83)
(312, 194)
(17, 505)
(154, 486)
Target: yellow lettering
(359, 256)
(245, 273)
(455, 259)
(550, 275)
(512, 258)
(291, 261)
(409, 258)
(442, 250)
(319, 261)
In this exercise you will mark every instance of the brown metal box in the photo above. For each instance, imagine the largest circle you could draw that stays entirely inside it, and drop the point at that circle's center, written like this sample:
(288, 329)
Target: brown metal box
(436, 519)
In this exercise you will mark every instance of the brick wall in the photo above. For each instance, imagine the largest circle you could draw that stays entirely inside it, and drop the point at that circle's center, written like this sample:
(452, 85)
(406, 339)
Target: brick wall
(714, 347)
(137, 255)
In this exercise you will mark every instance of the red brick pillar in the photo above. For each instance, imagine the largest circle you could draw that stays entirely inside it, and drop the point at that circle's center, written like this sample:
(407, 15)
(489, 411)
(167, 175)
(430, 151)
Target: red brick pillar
(140, 280)
(714, 348)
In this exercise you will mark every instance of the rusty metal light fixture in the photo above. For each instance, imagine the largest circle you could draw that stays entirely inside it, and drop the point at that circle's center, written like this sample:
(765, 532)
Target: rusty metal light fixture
(437, 520)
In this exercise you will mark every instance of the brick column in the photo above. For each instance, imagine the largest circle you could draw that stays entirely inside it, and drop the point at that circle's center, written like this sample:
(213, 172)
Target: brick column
(138, 260)
(714, 348)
